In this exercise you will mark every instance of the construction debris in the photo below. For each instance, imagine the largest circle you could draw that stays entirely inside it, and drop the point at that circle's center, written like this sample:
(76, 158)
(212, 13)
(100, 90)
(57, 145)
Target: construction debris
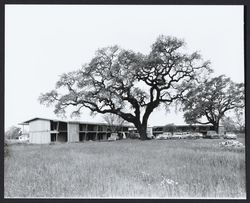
(231, 143)
(113, 137)
(179, 135)
(230, 136)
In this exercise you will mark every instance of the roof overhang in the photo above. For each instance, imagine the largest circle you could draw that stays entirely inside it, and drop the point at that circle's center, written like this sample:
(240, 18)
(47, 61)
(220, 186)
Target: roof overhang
(39, 118)
(77, 122)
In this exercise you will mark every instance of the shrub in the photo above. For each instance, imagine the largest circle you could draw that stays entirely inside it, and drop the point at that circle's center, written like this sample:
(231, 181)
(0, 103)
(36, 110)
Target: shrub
(6, 150)
(133, 135)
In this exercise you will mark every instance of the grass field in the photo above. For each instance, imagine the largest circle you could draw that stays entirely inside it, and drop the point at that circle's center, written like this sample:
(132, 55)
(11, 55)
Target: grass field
(126, 168)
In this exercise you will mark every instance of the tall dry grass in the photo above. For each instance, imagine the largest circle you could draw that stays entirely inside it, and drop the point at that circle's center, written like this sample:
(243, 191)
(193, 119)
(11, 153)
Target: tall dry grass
(127, 168)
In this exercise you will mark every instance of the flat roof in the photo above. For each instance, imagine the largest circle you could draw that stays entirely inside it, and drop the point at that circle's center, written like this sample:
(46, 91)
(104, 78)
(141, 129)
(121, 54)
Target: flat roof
(102, 123)
(79, 122)
(183, 125)
(39, 118)
(96, 123)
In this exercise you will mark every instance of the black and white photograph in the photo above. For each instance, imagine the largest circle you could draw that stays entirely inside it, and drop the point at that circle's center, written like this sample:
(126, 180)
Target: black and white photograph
(124, 101)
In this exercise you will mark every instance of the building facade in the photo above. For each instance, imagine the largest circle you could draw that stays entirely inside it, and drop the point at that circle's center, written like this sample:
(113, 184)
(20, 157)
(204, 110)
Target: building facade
(44, 131)
(186, 128)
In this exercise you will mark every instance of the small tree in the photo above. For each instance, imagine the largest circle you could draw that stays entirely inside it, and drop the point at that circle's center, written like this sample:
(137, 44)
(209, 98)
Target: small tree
(235, 122)
(229, 124)
(170, 127)
(128, 84)
(211, 99)
(115, 122)
(240, 119)
(13, 133)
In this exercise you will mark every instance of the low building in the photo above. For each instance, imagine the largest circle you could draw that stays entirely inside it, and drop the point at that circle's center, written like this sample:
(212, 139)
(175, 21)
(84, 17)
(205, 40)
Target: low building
(44, 131)
(186, 128)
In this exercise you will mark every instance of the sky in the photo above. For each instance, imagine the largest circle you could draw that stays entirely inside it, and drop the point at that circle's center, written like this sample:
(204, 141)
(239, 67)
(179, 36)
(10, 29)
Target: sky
(44, 41)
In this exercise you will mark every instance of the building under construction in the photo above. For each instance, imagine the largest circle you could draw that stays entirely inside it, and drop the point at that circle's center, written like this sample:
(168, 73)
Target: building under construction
(200, 128)
(43, 131)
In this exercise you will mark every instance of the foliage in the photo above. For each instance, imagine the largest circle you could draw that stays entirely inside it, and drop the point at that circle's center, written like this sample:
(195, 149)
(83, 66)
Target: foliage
(211, 99)
(235, 122)
(240, 119)
(115, 122)
(128, 84)
(6, 150)
(229, 124)
(169, 128)
(13, 133)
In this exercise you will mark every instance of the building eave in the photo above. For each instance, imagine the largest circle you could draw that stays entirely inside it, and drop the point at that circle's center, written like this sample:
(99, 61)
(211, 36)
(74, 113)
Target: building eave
(77, 122)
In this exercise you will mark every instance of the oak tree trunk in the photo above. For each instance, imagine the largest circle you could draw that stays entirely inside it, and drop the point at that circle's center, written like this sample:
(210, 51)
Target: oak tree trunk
(216, 127)
(142, 130)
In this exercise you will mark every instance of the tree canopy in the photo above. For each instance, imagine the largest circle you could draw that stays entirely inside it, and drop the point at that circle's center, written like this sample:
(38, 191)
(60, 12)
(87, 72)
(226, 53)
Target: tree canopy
(211, 99)
(13, 132)
(235, 122)
(128, 84)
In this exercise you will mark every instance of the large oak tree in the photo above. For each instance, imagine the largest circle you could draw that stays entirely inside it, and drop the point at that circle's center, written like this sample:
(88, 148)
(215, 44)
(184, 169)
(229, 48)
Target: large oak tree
(207, 102)
(128, 84)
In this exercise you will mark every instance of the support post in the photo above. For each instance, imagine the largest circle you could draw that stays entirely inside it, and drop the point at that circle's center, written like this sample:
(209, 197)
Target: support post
(57, 129)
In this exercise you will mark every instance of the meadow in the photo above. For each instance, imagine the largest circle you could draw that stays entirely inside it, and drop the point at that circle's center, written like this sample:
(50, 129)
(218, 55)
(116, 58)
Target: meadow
(126, 169)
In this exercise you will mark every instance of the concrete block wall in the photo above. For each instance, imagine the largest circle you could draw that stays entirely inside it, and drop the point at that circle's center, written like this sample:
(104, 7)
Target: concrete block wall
(39, 132)
(73, 132)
